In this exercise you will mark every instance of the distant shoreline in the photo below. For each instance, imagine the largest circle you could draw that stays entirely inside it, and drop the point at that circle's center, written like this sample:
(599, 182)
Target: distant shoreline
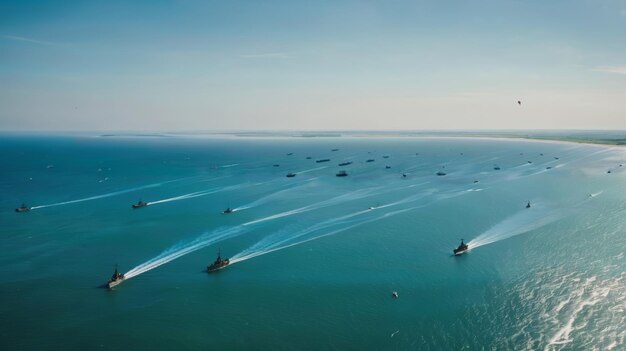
(604, 138)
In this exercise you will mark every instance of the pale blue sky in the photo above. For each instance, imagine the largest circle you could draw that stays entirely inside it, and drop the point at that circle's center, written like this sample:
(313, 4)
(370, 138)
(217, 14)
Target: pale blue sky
(189, 65)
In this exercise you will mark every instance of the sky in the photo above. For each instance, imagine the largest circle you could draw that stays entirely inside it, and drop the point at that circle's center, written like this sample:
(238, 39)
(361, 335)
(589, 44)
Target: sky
(312, 65)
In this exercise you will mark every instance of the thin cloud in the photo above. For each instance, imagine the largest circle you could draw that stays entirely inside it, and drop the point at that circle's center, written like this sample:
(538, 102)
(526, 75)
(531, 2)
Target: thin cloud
(274, 55)
(611, 69)
(28, 40)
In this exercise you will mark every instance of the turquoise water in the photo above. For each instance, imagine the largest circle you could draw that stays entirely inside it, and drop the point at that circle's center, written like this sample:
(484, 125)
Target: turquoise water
(313, 267)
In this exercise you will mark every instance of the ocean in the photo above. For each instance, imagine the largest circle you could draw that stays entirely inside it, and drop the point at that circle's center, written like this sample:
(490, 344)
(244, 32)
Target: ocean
(314, 258)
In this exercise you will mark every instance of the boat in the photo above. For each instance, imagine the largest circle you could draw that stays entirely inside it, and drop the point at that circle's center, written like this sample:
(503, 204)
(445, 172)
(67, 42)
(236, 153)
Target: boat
(345, 163)
(140, 204)
(530, 162)
(309, 157)
(549, 167)
(334, 150)
(116, 279)
(404, 175)
(218, 264)
(556, 158)
(387, 167)
(475, 181)
(528, 204)
(290, 153)
(23, 208)
(342, 174)
(497, 168)
(440, 173)
(370, 160)
(386, 156)
(461, 249)
(291, 175)
(323, 160)
(609, 171)
(276, 165)
(228, 210)
(394, 294)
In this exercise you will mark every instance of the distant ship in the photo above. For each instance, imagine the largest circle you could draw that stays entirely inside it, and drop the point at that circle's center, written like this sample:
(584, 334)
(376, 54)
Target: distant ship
(309, 157)
(497, 168)
(530, 161)
(276, 165)
(386, 156)
(323, 160)
(23, 208)
(289, 154)
(528, 204)
(387, 167)
(116, 279)
(440, 173)
(549, 167)
(370, 160)
(345, 163)
(475, 181)
(461, 249)
(291, 175)
(342, 174)
(334, 150)
(219, 263)
(140, 204)
(227, 210)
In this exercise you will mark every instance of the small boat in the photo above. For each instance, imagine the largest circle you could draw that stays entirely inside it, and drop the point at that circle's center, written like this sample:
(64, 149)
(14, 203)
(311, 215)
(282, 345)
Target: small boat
(334, 150)
(549, 167)
(228, 210)
(497, 168)
(386, 156)
(440, 173)
(309, 157)
(218, 264)
(387, 167)
(528, 204)
(475, 181)
(609, 171)
(530, 162)
(342, 174)
(140, 204)
(116, 279)
(370, 160)
(404, 175)
(461, 249)
(23, 208)
(345, 163)
(291, 175)
(323, 160)
(371, 208)
(556, 158)
(290, 153)
(540, 154)
(394, 294)
(276, 165)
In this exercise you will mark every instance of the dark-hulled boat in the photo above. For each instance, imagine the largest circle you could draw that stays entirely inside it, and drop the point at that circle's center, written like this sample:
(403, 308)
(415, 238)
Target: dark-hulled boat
(291, 175)
(342, 174)
(140, 204)
(323, 160)
(387, 167)
(345, 163)
(386, 156)
(334, 150)
(497, 168)
(440, 173)
(116, 279)
(528, 204)
(461, 249)
(218, 264)
(23, 208)
(227, 210)
(276, 165)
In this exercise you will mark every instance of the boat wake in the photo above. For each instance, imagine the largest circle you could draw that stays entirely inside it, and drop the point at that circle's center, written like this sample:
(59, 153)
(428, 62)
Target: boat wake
(196, 194)
(185, 248)
(96, 197)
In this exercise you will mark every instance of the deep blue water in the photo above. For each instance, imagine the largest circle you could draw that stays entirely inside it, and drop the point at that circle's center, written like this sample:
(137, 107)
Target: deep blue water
(314, 257)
